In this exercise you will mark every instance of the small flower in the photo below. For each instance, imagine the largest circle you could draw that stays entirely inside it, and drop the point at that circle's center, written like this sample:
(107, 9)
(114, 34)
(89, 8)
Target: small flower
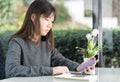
(92, 48)
(95, 32)
(83, 52)
(88, 36)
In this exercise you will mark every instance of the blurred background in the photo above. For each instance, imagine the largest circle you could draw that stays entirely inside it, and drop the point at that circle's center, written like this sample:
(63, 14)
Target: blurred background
(74, 21)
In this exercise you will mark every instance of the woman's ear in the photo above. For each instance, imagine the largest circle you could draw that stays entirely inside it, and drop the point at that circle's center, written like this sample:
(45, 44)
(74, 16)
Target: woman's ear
(33, 17)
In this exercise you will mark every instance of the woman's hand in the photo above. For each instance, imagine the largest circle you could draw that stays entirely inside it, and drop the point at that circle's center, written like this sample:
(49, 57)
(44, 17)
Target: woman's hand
(60, 70)
(88, 68)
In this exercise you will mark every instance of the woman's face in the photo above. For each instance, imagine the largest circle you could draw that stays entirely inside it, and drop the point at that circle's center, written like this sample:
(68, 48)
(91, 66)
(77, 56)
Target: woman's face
(46, 24)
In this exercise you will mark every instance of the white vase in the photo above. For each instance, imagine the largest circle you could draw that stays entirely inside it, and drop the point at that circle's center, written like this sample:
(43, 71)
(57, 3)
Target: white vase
(93, 70)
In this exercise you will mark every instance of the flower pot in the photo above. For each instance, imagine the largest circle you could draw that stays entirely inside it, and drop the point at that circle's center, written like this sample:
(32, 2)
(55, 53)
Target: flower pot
(92, 71)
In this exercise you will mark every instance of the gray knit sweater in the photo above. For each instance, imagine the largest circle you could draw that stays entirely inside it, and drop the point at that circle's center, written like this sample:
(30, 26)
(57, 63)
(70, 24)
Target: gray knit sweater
(26, 59)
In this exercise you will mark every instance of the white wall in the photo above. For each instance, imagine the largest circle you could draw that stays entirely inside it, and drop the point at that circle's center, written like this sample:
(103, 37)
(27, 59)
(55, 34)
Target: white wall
(75, 9)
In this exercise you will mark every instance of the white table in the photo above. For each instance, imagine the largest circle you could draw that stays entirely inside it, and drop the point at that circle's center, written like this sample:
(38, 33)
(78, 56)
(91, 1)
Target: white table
(104, 75)
(108, 74)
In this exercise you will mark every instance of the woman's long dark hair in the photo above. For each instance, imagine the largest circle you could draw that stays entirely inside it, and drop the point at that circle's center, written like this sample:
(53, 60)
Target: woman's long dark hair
(29, 28)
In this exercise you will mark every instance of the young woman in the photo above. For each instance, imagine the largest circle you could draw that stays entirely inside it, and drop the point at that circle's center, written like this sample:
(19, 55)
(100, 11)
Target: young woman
(31, 50)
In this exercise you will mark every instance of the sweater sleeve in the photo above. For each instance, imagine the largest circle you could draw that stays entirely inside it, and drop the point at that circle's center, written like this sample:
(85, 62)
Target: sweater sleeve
(13, 65)
(59, 60)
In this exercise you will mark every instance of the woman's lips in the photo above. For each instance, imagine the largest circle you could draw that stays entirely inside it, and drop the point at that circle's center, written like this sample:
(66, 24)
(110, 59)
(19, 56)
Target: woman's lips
(46, 31)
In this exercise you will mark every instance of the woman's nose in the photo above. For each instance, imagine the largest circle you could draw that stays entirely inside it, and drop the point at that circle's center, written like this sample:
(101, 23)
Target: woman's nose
(50, 23)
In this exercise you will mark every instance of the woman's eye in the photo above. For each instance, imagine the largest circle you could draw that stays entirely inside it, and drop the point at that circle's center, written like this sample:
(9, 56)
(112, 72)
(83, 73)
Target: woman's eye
(47, 19)
(52, 21)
